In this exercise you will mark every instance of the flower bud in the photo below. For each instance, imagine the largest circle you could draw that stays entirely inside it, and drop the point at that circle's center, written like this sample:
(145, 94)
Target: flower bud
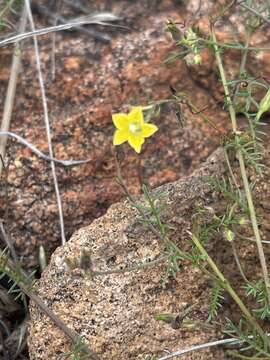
(264, 105)
(229, 235)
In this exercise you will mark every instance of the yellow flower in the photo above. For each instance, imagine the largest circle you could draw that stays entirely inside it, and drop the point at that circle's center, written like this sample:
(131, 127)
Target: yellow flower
(132, 128)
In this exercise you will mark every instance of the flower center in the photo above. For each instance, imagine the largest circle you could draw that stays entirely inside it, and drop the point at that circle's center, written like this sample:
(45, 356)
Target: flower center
(135, 128)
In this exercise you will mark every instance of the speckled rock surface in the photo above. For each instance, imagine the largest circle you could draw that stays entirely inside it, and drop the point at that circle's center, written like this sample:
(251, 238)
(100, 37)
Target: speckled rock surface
(115, 313)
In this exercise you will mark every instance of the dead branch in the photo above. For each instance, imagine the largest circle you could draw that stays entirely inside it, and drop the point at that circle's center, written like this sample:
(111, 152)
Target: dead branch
(11, 90)
(41, 154)
(103, 19)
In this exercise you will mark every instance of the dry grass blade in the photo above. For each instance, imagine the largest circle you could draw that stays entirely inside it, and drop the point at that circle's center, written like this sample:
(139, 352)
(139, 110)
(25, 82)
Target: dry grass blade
(199, 347)
(72, 335)
(47, 122)
(97, 19)
(8, 242)
(11, 90)
(7, 303)
(16, 342)
(54, 19)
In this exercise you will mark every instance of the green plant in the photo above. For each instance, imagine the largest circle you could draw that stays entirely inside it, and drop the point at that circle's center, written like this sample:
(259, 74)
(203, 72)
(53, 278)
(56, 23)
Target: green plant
(77, 352)
(8, 7)
(258, 292)
(247, 147)
(22, 285)
(215, 300)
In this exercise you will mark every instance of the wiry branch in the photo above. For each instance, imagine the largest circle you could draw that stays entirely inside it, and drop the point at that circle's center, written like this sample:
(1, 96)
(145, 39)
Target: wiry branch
(255, 12)
(41, 154)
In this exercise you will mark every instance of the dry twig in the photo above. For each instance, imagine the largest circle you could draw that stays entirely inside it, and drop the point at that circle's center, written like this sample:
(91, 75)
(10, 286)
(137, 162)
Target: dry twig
(199, 347)
(11, 90)
(41, 154)
(73, 336)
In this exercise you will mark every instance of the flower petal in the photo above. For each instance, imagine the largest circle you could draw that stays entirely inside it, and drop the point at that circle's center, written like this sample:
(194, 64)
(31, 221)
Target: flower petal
(136, 142)
(148, 130)
(120, 121)
(119, 137)
(136, 114)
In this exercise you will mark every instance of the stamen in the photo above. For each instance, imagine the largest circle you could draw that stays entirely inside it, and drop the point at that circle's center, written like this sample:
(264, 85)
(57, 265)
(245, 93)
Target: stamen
(135, 128)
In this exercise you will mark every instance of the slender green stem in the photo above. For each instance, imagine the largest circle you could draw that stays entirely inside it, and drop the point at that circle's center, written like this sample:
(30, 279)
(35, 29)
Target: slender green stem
(240, 157)
(224, 83)
(132, 200)
(242, 237)
(181, 98)
(243, 62)
(255, 225)
(146, 265)
(238, 263)
(6, 8)
(226, 285)
(223, 11)
(205, 118)
(232, 174)
(245, 52)
(239, 356)
(241, 71)
(255, 12)
(233, 46)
